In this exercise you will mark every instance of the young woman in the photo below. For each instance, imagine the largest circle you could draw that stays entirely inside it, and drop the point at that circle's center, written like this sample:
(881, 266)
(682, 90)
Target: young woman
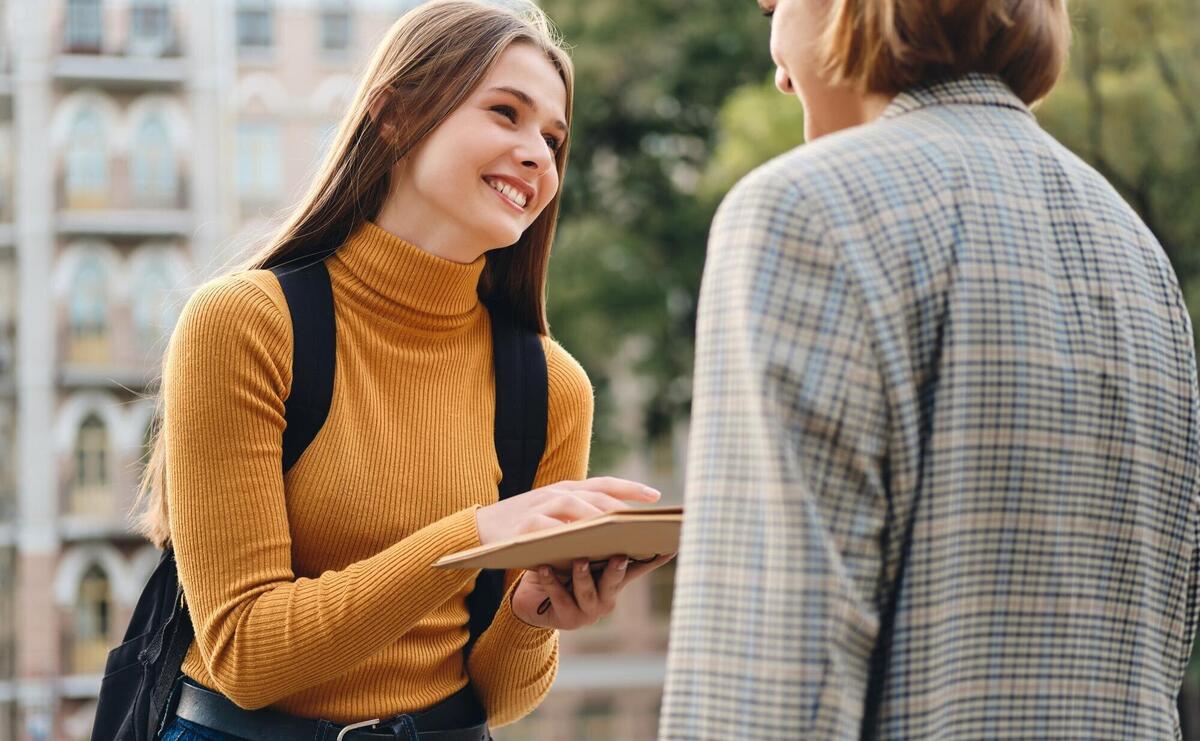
(312, 592)
(944, 460)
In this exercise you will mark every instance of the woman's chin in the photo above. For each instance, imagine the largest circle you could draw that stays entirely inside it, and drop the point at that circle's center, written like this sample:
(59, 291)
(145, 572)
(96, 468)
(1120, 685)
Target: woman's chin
(502, 237)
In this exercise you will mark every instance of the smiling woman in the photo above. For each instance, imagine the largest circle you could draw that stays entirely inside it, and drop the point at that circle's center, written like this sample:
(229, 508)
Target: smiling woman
(310, 584)
(488, 170)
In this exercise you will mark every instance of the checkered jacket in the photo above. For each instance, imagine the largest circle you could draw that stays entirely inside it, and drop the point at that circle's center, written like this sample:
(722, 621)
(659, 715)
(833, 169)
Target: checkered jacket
(941, 366)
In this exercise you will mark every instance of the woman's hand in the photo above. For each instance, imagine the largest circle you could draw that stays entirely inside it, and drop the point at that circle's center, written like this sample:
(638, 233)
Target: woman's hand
(588, 599)
(553, 505)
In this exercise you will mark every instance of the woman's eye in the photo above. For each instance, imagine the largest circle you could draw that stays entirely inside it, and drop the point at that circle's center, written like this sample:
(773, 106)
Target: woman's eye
(553, 143)
(507, 111)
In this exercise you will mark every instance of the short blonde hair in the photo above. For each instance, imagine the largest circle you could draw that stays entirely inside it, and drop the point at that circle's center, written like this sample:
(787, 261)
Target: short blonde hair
(887, 46)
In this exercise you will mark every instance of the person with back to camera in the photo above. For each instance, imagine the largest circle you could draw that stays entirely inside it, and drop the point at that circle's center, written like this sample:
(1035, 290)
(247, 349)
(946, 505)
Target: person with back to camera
(944, 468)
(317, 613)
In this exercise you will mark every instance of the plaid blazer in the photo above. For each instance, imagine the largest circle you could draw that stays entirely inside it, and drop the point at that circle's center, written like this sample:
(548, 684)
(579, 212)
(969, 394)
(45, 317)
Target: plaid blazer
(941, 365)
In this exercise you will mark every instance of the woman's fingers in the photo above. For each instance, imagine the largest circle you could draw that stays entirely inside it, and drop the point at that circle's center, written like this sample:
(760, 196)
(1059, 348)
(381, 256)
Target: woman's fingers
(584, 588)
(577, 505)
(566, 613)
(615, 487)
(566, 501)
(641, 569)
(612, 580)
(538, 522)
(569, 508)
(600, 500)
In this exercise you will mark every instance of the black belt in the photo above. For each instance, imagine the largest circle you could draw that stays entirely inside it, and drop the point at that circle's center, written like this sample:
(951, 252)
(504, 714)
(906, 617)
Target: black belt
(442, 722)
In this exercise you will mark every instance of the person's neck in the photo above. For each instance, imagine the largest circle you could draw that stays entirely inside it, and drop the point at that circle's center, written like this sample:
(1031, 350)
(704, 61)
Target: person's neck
(831, 110)
(430, 232)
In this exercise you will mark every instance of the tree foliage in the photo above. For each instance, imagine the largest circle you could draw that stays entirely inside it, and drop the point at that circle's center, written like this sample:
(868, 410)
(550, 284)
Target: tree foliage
(674, 103)
(650, 81)
(1130, 106)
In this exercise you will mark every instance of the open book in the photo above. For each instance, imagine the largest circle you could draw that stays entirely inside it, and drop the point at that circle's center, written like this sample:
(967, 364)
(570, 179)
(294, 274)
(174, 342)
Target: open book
(641, 533)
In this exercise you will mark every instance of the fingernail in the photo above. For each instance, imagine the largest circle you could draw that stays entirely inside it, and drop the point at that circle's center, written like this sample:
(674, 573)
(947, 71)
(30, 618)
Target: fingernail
(581, 567)
(544, 572)
(651, 491)
(621, 564)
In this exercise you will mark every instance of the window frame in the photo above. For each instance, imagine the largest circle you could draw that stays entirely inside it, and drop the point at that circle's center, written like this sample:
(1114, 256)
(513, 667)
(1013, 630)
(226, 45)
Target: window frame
(254, 22)
(83, 26)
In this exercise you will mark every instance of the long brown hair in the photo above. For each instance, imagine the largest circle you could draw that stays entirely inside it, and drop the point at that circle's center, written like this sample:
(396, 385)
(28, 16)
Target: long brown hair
(431, 60)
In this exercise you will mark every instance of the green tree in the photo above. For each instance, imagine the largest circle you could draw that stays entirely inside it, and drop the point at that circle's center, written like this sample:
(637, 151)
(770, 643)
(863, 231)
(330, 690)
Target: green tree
(1130, 105)
(650, 81)
(756, 123)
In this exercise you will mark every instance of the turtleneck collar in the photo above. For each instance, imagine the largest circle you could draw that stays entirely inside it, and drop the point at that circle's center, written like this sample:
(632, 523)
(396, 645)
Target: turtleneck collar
(397, 279)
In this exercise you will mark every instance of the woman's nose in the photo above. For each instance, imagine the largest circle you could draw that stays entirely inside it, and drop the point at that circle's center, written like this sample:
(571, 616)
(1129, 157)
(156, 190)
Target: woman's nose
(535, 156)
(783, 81)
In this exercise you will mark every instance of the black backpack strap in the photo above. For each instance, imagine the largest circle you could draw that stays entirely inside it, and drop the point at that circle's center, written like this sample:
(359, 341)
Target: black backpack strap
(522, 398)
(521, 401)
(314, 353)
(175, 638)
(309, 296)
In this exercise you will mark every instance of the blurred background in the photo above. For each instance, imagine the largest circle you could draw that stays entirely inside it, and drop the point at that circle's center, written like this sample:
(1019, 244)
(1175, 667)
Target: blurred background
(145, 144)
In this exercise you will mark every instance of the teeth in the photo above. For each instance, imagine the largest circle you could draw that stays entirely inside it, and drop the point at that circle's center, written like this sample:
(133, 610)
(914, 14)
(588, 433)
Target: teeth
(510, 192)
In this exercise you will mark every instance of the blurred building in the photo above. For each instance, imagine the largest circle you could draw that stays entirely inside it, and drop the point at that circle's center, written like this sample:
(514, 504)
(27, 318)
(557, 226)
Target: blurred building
(144, 144)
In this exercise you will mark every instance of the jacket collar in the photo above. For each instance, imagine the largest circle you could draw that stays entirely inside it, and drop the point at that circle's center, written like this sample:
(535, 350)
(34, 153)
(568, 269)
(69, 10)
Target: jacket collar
(971, 89)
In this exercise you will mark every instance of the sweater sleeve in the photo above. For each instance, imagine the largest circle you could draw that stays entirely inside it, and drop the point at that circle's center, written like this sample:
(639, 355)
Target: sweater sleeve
(514, 664)
(262, 633)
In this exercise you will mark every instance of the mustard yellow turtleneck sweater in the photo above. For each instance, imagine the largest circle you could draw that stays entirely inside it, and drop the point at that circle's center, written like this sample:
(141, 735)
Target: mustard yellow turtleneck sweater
(313, 592)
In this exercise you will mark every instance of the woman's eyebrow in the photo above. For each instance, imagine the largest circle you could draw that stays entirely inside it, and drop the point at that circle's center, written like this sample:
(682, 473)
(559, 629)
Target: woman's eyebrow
(522, 96)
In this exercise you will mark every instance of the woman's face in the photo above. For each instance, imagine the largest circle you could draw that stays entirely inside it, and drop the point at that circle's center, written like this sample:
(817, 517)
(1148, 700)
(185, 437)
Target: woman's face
(484, 174)
(796, 29)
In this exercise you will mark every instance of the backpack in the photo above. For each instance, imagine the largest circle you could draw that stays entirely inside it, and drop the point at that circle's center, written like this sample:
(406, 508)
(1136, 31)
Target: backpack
(140, 674)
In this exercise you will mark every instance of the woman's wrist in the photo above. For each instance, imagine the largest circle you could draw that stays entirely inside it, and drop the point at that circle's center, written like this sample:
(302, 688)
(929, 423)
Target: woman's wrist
(512, 607)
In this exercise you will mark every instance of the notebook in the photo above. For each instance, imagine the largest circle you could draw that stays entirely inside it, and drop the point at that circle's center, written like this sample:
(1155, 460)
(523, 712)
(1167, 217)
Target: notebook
(640, 533)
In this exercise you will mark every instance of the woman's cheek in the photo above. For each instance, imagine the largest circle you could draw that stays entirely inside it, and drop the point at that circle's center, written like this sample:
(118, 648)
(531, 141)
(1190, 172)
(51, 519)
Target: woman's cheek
(549, 189)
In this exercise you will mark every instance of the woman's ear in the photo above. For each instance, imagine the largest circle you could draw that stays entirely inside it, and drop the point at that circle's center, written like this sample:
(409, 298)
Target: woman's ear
(380, 101)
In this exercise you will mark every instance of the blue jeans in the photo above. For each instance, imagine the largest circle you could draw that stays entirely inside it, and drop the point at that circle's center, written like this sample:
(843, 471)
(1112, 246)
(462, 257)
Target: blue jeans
(184, 730)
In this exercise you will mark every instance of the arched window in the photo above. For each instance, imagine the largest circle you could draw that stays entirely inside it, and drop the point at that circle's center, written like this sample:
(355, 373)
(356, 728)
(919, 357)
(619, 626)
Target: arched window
(85, 26)
(88, 312)
(255, 22)
(87, 161)
(335, 26)
(153, 309)
(154, 176)
(90, 490)
(93, 613)
(260, 160)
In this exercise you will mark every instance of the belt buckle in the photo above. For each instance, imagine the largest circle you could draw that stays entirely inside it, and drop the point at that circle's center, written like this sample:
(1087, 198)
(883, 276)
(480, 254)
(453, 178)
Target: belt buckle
(356, 726)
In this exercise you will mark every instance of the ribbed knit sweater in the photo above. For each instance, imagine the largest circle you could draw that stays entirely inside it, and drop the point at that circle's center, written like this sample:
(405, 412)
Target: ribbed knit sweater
(313, 592)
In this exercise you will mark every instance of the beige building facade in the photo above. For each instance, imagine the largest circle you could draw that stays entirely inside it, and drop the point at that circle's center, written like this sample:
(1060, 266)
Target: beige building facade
(146, 145)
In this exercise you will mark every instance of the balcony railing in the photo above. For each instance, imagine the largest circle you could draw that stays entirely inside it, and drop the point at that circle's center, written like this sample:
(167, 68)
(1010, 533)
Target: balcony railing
(119, 211)
(119, 71)
(148, 34)
(120, 194)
